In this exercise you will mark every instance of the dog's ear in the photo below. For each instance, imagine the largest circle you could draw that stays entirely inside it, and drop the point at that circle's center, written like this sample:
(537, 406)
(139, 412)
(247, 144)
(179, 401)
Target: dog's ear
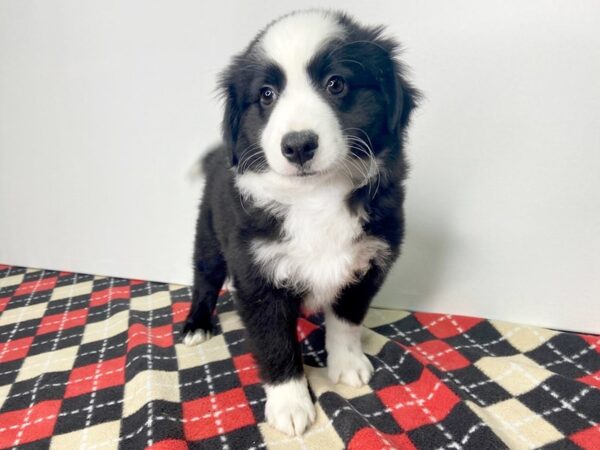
(402, 99)
(231, 118)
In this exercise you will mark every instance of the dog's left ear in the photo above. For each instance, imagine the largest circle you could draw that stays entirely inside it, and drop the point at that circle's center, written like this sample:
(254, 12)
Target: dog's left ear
(402, 99)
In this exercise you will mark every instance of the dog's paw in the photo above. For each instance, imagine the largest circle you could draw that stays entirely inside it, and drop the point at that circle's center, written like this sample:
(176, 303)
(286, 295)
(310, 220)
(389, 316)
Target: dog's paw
(289, 407)
(195, 332)
(196, 337)
(349, 368)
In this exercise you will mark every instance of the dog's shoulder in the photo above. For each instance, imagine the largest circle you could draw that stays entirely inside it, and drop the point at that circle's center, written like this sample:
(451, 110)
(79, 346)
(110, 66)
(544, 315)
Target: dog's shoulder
(215, 161)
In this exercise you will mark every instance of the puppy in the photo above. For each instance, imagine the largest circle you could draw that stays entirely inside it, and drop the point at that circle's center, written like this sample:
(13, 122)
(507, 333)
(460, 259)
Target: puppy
(303, 203)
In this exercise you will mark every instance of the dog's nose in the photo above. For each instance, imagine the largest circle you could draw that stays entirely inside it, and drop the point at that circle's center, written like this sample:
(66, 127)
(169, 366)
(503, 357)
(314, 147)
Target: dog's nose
(298, 147)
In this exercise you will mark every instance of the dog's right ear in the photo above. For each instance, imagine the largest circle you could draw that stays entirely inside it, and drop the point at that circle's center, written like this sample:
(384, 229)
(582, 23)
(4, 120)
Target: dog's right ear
(231, 119)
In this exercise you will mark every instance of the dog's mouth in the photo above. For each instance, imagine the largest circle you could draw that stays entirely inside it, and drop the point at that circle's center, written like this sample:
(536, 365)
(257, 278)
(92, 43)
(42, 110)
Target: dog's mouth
(303, 172)
(306, 173)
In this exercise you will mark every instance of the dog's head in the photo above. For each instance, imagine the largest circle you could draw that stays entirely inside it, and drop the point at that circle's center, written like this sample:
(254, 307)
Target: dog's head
(314, 93)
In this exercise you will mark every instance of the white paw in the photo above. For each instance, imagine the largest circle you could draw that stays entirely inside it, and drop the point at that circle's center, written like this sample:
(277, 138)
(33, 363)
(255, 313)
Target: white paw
(349, 368)
(196, 337)
(289, 408)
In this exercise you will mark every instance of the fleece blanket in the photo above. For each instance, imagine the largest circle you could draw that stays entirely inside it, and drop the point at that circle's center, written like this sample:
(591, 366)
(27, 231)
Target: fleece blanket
(92, 362)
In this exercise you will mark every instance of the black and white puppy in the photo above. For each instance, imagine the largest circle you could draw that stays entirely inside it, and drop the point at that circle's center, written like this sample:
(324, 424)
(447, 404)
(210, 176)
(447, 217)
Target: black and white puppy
(303, 204)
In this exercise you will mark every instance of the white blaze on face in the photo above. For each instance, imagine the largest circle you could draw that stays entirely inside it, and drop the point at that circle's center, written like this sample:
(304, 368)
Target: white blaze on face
(291, 43)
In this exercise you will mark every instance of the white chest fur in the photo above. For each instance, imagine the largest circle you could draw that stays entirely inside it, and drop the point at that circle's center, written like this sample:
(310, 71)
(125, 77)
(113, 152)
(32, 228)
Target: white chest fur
(323, 247)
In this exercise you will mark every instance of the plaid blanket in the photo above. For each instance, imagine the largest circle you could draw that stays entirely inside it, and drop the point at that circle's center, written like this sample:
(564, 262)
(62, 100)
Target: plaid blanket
(95, 362)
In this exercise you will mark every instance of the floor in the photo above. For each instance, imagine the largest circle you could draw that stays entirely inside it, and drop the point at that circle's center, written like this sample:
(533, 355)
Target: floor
(95, 362)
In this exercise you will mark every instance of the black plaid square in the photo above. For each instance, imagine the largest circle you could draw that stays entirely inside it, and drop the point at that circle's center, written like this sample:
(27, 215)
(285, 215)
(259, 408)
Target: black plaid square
(568, 355)
(20, 329)
(103, 349)
(23, 392)
(480, 341)
(220, 375)
(9, 371)
(346, 420)
(407, 331)
(156, 421)
(69, 278)
(375, 413)
(55, 341)
(568, 405)
(88, 409)
(472, 383)
(391, 361)
(236, 342)
(460, 429)
(244, 438)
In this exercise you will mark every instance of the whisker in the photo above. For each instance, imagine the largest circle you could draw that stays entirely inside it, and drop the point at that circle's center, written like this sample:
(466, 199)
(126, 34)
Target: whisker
(258, 163)
(363, 132)
(359, 144)
(247, 162)
(346, 170)
(244, 156)
(362, 168)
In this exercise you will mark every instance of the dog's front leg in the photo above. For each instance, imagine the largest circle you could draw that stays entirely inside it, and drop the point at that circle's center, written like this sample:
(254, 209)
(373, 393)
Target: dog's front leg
(346, 362)
(270, 319)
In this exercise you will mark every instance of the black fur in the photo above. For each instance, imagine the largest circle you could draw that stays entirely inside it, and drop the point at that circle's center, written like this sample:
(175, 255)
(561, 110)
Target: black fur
(379, 102)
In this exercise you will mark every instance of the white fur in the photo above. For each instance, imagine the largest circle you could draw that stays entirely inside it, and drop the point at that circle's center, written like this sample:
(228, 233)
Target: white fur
(291, 43)
(324, 247)
(196, 337)
(228, 285)
(289, 407)
(346, 362)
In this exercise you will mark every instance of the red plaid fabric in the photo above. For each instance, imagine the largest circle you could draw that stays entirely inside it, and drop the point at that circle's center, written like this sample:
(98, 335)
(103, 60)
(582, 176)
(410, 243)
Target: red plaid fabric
(95, 362)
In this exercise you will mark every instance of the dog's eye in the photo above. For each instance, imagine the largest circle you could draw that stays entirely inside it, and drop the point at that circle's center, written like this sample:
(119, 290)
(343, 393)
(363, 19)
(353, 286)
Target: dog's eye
(336, 85)
(267, 95)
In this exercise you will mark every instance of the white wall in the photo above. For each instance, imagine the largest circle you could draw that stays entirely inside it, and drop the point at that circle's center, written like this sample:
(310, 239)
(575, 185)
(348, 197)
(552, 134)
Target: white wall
(105, 107)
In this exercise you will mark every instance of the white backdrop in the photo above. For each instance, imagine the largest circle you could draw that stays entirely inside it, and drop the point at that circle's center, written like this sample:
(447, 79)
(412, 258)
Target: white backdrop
(106, 106)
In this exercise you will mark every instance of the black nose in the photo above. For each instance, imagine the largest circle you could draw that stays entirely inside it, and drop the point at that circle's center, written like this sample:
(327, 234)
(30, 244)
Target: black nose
(299, 147)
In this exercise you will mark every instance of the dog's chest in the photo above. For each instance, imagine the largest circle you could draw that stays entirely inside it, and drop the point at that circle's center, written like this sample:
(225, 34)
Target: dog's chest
(322, 249)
